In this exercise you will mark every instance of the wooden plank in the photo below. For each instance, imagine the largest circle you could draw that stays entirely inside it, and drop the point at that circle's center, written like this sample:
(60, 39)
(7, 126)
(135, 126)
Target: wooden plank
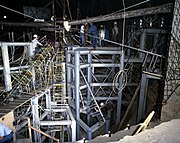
(43, 133)
(143, 126)
(8, 120)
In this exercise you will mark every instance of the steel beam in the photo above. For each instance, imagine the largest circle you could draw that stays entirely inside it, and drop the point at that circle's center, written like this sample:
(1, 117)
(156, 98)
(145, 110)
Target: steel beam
(166, 8)
(89, 79)
(119, 101)
(73, 125)
(142, 98)
(77, 88)
(36, 120)
(55, 123)
(142, 44)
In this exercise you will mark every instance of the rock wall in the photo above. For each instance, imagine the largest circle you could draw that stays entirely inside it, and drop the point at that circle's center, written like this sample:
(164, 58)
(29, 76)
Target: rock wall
(171, 109)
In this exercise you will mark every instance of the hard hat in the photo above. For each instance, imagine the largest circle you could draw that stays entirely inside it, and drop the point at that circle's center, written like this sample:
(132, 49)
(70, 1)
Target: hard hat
(35, 36)
(115, 23)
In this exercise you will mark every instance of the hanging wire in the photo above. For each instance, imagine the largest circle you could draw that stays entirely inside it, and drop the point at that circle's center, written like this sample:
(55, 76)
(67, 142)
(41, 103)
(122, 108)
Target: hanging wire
(116, 12)
(22, 13)
(69, 10)
(17, 12)
(32, 9)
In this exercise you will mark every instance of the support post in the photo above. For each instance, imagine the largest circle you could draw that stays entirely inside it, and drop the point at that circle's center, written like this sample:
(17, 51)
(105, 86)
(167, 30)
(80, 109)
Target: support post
(48, 100)
(36, 121)
(108, 121)
(156, 36)
(73, 128)
(89, 76)
(118, 112)
(30, 53)
(89, 134)
(69, 77)
(77, 88)
(142, 43)
(6, 70)
(141, 107)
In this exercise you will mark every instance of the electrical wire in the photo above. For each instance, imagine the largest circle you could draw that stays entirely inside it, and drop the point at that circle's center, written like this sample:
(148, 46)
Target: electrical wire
(69, 9)
(16, 11)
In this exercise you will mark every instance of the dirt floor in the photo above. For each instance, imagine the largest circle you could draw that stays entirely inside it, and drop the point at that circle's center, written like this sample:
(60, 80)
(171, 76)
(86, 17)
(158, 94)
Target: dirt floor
(166, 132)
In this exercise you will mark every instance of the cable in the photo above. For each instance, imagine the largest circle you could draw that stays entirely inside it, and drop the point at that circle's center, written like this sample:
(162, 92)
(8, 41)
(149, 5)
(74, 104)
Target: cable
(69, 10)
(32, 9)
(115, 81)
(116, 12)
(22, 13)
(128, 7)
(17, 12)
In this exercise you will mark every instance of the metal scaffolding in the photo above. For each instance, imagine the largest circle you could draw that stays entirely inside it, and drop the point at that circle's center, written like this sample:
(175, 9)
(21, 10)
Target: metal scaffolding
(36, 89)
(90, 85)
(72, 94)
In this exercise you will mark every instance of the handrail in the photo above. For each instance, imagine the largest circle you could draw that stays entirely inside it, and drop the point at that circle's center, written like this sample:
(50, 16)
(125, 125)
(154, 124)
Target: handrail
(45, 134)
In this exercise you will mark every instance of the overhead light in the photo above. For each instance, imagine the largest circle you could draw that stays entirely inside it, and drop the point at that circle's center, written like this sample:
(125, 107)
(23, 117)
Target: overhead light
(38, 20)
(5, 17)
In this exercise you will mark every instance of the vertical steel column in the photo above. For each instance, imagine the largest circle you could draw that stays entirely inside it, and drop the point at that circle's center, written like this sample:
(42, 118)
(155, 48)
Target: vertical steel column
(48, 99)
(12, 48)
(108, 120)
(69, 78)
(48, 102)
(142, 43)
(155, 42)
(89, 134)
(73, 128)
(30, 50)
(118, 112)
(113, 61)
(89, 78)
(33, 77)
(63, 72)
(36, 121)
(6, 70)
(77, 88)
(141, 107)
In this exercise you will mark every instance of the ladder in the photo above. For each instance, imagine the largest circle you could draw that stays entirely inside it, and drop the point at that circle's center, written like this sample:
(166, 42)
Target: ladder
(59, 86)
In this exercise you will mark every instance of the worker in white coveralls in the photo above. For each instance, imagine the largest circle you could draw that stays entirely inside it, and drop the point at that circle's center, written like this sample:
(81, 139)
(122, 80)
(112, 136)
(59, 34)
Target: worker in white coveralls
(35, 44)
(115, 32)
(103, 35)
(82, 30)
(6, 134)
